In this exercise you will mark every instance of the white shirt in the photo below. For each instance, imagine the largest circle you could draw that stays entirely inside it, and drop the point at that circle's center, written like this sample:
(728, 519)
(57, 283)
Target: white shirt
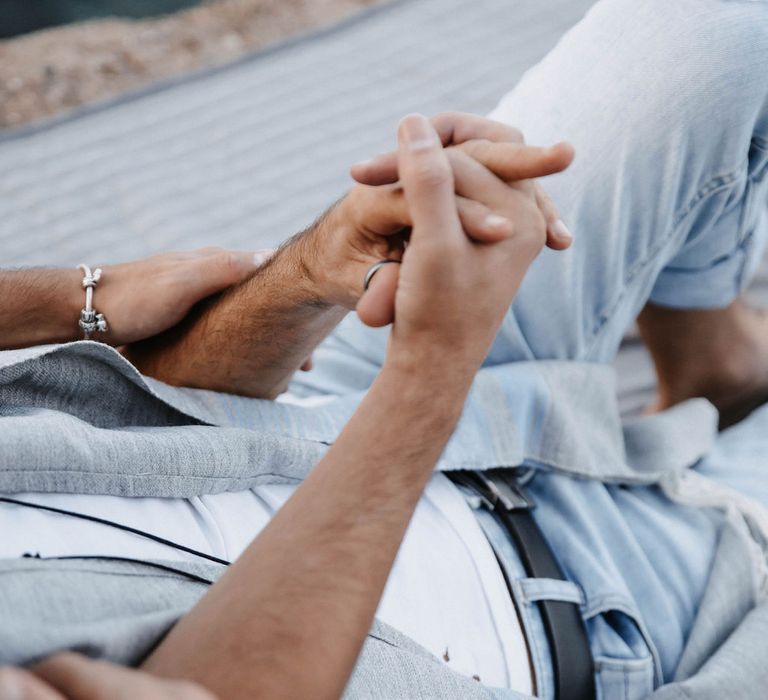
(446, 590)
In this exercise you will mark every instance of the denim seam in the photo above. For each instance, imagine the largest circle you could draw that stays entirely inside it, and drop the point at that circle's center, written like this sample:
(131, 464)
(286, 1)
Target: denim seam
(537, 654)
(627, 666)
(754, 180)
(576, 595)
(611, 602)
(741, 248)
(711, 188)
(625, 675)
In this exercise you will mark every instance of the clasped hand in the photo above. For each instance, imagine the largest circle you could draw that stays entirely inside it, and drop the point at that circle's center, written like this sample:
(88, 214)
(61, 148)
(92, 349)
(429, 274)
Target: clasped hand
(459, 274)
(479, 236)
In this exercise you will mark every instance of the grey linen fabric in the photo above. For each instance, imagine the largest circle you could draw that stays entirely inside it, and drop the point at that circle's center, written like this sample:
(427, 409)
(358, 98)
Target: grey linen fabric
(120, 610)
(78, 418)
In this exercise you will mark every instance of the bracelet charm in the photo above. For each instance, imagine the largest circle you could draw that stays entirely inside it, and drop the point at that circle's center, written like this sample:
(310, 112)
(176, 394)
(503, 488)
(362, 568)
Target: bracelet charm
(91, 321)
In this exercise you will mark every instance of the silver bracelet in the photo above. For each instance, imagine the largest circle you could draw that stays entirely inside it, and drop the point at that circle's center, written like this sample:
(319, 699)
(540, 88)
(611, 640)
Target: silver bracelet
(90, 320)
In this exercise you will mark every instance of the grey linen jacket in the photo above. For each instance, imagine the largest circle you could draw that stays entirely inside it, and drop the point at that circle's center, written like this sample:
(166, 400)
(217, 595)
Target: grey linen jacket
(80, 419)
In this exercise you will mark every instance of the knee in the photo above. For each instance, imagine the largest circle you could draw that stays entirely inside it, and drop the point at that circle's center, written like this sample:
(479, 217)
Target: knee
(708, 58)
(691, 74)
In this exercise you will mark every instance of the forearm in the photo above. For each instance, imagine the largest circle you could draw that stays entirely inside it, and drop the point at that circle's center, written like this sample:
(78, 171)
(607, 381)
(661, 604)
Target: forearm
(250, 339)
(294, 610)
(39, 306)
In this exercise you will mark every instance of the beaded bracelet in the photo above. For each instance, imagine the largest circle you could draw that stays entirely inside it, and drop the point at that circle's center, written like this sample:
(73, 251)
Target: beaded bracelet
(90, 320)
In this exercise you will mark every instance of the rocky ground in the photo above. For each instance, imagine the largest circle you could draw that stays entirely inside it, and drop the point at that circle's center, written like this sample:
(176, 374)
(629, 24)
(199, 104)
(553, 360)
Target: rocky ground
(56, 70)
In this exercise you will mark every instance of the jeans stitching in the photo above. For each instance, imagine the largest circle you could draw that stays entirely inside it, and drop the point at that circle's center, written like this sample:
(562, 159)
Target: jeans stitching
(626, 684)
(712, 187)
(539, 660)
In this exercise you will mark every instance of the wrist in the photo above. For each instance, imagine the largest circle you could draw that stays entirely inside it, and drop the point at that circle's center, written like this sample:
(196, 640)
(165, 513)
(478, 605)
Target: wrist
(68, 299)
(423, 366)
(430, 397)
(315, 256)
(299, 262)
(335, 256)
(39, 306)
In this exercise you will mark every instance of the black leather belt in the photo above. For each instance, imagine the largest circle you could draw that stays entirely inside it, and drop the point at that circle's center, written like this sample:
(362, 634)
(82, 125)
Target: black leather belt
(502, 495)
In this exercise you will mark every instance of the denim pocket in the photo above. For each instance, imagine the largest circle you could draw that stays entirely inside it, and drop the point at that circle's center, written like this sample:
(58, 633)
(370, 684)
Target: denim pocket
(624, 660)
(625, 666)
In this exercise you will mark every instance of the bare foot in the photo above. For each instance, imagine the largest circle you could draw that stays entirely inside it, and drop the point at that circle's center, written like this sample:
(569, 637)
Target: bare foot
(719, 354)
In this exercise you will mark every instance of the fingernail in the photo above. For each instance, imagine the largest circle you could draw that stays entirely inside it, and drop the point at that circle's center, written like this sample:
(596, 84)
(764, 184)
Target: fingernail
(261, 256)
(498, 223)
(562, 230)
(417, 132)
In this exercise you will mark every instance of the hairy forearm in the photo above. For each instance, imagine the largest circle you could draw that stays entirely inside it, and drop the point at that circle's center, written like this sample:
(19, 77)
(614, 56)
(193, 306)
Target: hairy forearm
(294, 610)
(250, 339)
(39, 306)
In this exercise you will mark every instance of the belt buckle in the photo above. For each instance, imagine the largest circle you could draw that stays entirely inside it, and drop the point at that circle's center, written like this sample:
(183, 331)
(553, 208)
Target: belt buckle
(498, 489)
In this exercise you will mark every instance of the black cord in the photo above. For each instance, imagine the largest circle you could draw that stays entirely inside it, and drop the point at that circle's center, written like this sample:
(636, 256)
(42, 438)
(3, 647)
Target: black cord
(118, 526)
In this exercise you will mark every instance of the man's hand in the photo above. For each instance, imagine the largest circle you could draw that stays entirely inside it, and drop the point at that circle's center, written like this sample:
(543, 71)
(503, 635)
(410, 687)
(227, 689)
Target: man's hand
(144, 298)
(312, 281)
(452, 291)
(373, 221)
(73, 677)
(478, 137)
(139, 299)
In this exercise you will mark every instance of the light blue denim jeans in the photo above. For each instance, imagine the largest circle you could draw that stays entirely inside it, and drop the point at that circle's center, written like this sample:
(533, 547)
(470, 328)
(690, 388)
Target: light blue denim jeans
(666, 104)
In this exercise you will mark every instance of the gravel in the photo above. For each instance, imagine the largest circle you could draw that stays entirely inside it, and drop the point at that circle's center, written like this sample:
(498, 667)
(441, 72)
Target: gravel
(54, 71)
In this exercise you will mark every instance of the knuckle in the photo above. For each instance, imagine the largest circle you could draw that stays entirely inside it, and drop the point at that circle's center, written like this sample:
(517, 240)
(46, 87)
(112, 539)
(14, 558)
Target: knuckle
(534, 235)
(461, 164)
(530, 231)
(432, 172)
(447, 119)
(471, 147)
(481, 150)
(459, 154)
(228, 264)
(211, 250)
(547, 207)
(470, 209)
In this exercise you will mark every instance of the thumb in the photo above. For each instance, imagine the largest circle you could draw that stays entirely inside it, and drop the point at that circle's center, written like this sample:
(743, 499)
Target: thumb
(427, 180)
(376, 307)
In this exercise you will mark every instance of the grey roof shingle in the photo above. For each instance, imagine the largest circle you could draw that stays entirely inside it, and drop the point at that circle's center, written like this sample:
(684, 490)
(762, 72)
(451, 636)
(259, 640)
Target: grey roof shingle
(246, 155)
